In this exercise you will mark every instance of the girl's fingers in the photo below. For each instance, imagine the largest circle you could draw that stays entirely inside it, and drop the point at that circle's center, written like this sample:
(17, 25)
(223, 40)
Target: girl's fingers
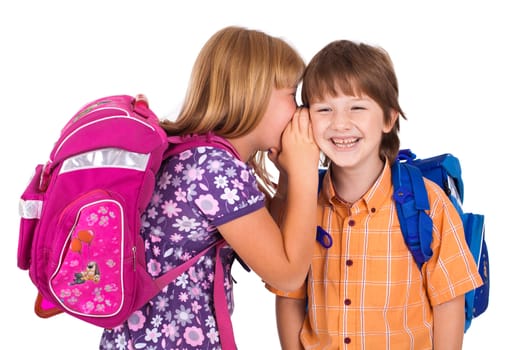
(303, 122)
(300, 121)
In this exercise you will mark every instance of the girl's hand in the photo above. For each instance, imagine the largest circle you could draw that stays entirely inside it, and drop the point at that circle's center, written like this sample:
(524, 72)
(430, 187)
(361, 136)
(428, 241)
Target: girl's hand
(299, 151)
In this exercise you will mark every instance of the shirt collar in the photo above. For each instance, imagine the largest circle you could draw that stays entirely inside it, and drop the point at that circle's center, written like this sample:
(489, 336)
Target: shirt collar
(375, 197)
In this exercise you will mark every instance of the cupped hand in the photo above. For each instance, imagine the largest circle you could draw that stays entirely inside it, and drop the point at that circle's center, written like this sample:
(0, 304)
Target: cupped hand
(299, 153)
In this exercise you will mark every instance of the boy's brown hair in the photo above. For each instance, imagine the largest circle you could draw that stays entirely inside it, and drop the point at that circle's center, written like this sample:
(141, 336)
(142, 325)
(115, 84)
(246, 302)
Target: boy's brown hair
(350, 68)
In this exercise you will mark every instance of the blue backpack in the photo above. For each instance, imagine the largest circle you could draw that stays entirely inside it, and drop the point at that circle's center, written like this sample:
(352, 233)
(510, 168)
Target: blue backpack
(411, 200)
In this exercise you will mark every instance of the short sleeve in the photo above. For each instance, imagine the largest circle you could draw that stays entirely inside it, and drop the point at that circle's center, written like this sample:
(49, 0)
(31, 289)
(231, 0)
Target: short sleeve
(452, 270)
(220, 186)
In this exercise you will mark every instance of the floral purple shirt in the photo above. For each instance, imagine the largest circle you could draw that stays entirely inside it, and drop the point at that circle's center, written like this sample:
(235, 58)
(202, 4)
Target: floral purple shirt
(196, 191)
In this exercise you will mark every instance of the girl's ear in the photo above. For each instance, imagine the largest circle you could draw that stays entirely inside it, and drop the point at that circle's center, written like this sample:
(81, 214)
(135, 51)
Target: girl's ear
(389, 124)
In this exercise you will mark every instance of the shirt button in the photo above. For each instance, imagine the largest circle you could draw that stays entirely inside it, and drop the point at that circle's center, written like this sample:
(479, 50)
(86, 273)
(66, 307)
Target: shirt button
(351, 222)
(347, 302)
(348, 340)
(349, 262)
(373, 210)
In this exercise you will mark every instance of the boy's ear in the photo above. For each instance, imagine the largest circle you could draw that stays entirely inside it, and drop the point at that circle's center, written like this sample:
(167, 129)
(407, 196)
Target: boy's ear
(394, 115)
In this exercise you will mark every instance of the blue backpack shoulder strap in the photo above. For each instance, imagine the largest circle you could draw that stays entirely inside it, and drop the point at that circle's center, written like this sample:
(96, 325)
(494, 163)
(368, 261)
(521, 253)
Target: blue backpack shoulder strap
(444, 169)
(322, 236)
(411, 200)
(410, 196)
(322, 172)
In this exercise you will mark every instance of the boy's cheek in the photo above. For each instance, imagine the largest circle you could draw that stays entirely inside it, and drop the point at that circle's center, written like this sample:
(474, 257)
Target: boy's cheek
(317, 131)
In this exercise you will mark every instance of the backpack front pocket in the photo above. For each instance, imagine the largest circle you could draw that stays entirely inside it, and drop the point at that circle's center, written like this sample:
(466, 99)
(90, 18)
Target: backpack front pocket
(88, 277)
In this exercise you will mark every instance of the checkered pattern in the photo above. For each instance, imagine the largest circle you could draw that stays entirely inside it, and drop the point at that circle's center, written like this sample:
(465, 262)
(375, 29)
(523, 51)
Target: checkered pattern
(366, 292)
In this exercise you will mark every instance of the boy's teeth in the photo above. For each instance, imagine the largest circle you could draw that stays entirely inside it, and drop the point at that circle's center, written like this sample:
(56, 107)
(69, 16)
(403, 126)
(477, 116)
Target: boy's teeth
(344, 142)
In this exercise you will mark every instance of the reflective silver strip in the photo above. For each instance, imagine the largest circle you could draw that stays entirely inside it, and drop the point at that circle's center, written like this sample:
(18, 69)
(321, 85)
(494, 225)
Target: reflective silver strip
(106, 158)
(454, 191)
(30, 209)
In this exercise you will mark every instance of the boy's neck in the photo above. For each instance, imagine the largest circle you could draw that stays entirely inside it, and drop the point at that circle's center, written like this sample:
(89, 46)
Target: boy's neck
(351, 184)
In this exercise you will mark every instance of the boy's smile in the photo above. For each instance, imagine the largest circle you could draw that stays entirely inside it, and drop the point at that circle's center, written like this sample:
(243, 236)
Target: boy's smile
(348, 129)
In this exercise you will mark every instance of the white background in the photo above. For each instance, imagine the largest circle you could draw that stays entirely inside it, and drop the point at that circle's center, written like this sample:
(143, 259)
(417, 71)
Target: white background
(461, 76)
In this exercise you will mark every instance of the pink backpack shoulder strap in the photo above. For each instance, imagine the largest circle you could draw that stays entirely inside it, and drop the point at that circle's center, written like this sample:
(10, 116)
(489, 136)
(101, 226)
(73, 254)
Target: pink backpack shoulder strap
(180, 143)
(222, 314)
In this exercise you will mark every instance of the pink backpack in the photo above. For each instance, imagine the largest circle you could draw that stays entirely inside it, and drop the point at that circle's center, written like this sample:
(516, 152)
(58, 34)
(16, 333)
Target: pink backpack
(80, 216)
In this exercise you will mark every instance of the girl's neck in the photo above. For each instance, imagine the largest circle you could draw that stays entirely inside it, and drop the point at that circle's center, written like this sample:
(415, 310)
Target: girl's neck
(243, 146)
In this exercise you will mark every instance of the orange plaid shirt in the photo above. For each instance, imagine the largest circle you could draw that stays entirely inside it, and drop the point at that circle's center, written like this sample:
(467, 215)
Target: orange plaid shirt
(366, 291)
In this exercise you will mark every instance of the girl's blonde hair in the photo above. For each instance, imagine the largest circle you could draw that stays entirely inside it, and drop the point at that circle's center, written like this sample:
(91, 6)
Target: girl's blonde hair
(231, 84)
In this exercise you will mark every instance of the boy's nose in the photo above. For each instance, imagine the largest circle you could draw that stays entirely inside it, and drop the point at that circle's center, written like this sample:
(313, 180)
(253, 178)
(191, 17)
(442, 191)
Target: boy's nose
(342, 121)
